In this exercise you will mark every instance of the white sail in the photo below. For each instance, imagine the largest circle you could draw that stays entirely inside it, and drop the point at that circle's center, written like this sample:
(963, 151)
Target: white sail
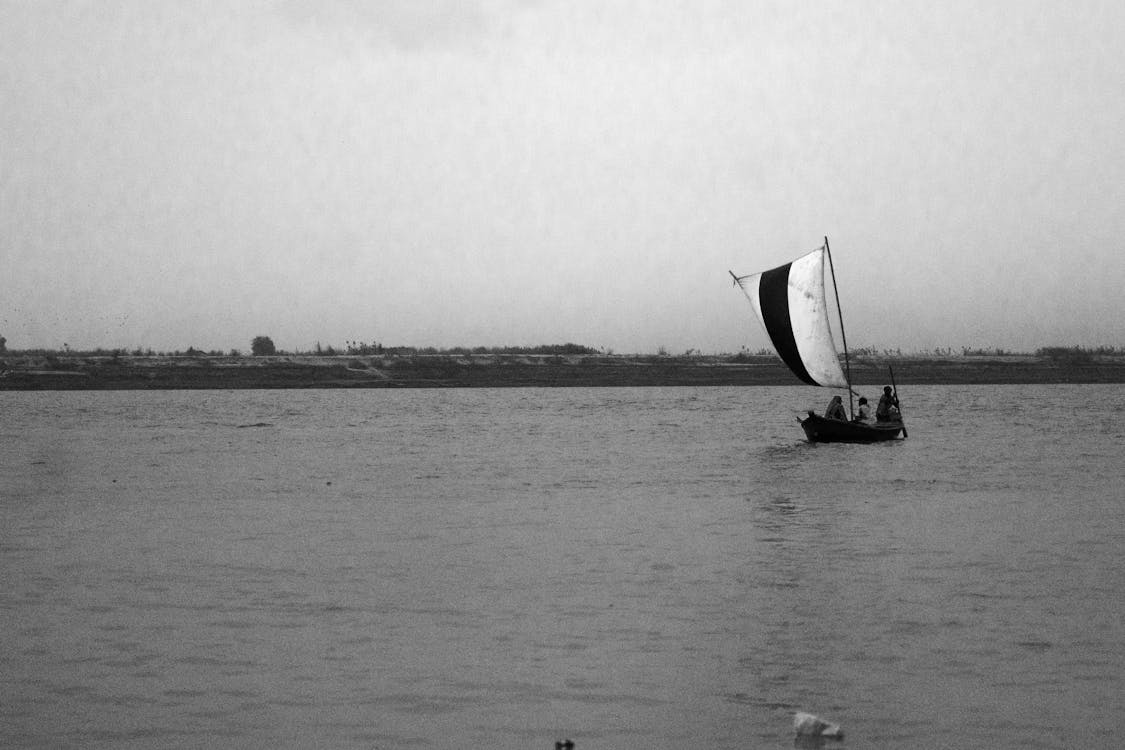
(790, 302)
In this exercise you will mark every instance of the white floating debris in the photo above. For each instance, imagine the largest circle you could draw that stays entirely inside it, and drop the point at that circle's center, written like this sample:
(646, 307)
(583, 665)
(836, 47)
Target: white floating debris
(808, 725)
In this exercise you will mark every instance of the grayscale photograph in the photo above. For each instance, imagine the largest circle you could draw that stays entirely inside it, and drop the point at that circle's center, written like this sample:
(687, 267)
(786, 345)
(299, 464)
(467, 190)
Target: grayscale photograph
(573, 374)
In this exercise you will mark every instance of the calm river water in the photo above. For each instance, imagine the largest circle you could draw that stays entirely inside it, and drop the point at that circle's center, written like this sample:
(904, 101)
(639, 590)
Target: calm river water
(629, 568)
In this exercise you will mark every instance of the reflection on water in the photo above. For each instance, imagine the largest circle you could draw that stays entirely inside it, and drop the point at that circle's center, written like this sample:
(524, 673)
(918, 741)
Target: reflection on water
(625, 567)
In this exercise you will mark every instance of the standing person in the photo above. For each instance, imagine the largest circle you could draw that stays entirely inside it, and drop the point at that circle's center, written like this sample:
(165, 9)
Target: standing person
(836, 409)
(887, 410)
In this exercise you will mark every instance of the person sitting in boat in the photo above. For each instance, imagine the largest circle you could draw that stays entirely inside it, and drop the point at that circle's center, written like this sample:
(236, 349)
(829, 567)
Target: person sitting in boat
(863, 413)
(887, 410)
(836, 409)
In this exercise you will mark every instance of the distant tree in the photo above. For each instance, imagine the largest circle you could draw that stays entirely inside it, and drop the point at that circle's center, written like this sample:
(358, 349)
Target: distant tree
(262, 346)
(3, 344)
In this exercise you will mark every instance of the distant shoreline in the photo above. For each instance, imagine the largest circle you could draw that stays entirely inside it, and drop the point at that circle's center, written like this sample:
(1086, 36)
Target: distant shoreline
(201, 371)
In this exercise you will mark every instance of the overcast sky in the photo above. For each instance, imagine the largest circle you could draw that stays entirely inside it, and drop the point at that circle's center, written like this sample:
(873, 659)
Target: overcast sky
(494, 173)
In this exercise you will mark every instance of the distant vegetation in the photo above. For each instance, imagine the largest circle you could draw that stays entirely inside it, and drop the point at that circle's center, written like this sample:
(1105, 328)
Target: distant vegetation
(359, 348)
(264, 346)
(1056, 353)
(1077, 355)
(372, 365)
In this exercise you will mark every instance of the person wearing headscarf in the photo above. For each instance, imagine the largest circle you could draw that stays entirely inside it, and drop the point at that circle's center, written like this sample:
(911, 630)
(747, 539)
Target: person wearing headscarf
(836, 409)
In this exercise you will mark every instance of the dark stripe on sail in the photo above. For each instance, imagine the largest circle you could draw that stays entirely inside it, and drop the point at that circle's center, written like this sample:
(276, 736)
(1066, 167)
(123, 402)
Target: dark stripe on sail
(773, 298)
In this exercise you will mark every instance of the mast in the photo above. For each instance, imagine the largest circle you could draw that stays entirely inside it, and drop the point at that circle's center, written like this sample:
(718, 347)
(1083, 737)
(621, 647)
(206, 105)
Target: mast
(843, 337)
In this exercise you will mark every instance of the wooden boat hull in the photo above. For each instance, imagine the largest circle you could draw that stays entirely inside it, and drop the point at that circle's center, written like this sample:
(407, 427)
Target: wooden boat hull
(823, 430)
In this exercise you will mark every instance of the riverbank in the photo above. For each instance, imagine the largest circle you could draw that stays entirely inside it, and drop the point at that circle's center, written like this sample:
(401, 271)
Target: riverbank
(202, 371)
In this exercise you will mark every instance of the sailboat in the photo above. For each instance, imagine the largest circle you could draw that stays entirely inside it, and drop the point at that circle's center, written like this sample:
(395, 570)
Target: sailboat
(791, 303)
